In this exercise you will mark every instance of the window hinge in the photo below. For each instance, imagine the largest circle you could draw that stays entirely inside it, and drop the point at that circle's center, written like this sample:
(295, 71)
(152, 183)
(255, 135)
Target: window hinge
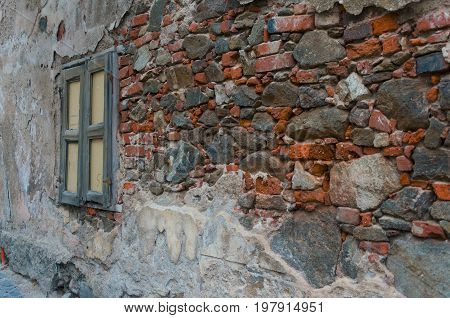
(107, 181)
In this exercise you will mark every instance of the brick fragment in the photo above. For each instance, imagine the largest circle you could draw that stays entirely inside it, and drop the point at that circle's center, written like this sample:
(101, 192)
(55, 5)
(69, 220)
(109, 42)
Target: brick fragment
(290, 23)
(442, 190)
(274, 62)
(310, 151)
(427, 229)
(375, 247)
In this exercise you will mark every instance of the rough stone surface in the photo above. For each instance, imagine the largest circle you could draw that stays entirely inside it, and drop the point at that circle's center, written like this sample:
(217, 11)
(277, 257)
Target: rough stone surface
(311, 98)
(179, 76)
(409, 204)
(352, 88)
(299, 245)
(390, 223)
(370, 233)
(221, 149)
(414, 274)
(440, 210)
(318, 123)
(244, 96)
(363, 183)
(280, 94)
(431, 164)
(264, 162)
(194, 97)
(316, 47)
(432, 138)
(303, 180)
(356, 7)
(184, 159)
(197, 45)
(359, 116)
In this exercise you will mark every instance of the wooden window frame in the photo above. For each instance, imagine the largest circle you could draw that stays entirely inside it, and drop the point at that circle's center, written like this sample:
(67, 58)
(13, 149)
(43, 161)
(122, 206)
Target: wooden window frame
(82, 70)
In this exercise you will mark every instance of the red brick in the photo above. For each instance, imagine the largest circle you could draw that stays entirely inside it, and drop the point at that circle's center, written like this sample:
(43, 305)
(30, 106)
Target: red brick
(434, 20)
(384, 24)
(132, 90)
(139, 20)
(290, 24)
(442, 190)
(201, 78)
(280, 112)
(267, 48)
(232, 167)
(317, 195)
(310, 151)
(427, 229)
(126, 71)
(143, 40)
(379, 122)
(274, 62)
(404, 179)
(230, 58)
(438, 37)
(368, 48)
(233, 72)
(432, 94)
(366, 219)
(305, 77)
(347, 151)
(403, 164)
(269, 185)
(413, 138)
(173, 136)
(134, 151)
(391, 45)
(375, 247)
(348, 215)
(392, 151)
(235, 111)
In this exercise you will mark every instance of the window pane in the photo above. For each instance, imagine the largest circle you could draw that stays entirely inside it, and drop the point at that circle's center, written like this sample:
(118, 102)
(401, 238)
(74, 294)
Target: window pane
(72, 167)
(74, 105)
(96, 165)
(97, 97)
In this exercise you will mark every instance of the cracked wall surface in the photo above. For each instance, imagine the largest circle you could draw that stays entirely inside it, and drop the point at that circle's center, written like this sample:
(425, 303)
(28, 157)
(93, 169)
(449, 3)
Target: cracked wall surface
(267, 148)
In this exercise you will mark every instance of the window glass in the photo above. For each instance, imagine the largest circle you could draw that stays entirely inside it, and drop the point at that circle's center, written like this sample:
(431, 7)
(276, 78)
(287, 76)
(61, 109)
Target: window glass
(72, 167)
(74, 105)
(97, 97)
(96, 165)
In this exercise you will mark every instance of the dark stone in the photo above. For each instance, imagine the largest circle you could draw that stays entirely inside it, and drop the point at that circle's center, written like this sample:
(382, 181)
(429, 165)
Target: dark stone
(403, 99)
(433, 62)
(390, 223)
(209, 118)
(248, 63)
(363, 136)
(238, 41)
(310, 243)
(257, 34)
(229, 121)
(222, 45)
(420, 267)
(263, 162)
(370, 233)
(263, 122)
(198, 66)
(376, 78)
(184, 159)
(350, 256)
(357, 32)
(431, 164)
(155, 187)
(168, 102)
(444, 94)
(320, 122)
(214, 73)
(152, 86)
(244, 96)
(194, 97)
(221, 150)
(208, 9)
(180, 120)
(211, 178)
(270, 202)
(139, 112)
(433, 135)
(409, 204)
(245, 20)
(400, 57)
(85, 291)
(247, 140)
(310, 98)
(247, 200)
(43, 24)
(316, 47)
(156, 15)
(179, 76)
(359, 117)
(197, 45)
(440, 210)
(280, 94)
(247, 113)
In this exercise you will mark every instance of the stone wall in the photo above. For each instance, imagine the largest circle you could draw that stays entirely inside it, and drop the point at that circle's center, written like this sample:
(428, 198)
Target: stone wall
(267, 148)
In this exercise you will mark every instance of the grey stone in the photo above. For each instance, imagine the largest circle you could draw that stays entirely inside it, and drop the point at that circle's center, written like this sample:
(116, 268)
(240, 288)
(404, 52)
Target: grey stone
(440, 210)
(356, 7)
(248, 63)
(409, 204)
(142, 58)
(303, 180)
(310, 243)
(156, 15)
(257, 34)
(263, 162)
(263, 122)
(194, 97)
(280, 94)
(221, 149)
(155, 187)
(363, 137)
(244, 96)
(214, 73)
(403, 99)
(245, 19)
(381, 140)
(222, 45)
(433, 62)
(183, 160)
(446, 227)
(159, 121)
(432, 138)
(238, 41)
(444, 94)
(359, 117)
(377, 78)
(197, 45)
(180, 120)
(163, 57)
(309, 97)
(152, 86)
(139, 112)
(319, 122)
(363, 183)
(400, 57)
(357, 32)
(168, 102)
(350, 256)
(209, 118)
(251, 141)
(316, 47)
(247, 200)
(352, 88)
(198, 66)
(270, 202)
(328, 19)
(390, 223)
(431, 164)
(179, 76)
(370, 233)
(221, 95)
(420, 267)
(207, 9)
(85, 291)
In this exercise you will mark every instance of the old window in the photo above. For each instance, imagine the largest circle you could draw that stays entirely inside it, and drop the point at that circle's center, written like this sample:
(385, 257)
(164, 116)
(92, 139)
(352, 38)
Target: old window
(86, 173)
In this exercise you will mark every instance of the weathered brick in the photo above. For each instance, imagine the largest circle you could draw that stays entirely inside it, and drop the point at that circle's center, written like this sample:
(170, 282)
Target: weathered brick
(366, 219)
(274, 62)
(134, 151)
(347, 151)
(434, 20)
(391, 44)
(290, 24)
(139, 20)
(269, 185)
(368, 48)
(318, 195)
(132, 90)
(268, 48)
(379, 122)
(375, 247)
(310, 151)
(348, 215)
(230, 58)
(433, 62)
(384, 24)
(358, 32)
(427, 229)
(404, 164)
(442, 190)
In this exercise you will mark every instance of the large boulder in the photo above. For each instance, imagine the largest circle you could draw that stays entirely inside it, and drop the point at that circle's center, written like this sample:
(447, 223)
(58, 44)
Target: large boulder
(420, 267)
(404, 100)
(310, 243)
(363, 183)
(316, 47)
(431, 164)
(319, 122)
